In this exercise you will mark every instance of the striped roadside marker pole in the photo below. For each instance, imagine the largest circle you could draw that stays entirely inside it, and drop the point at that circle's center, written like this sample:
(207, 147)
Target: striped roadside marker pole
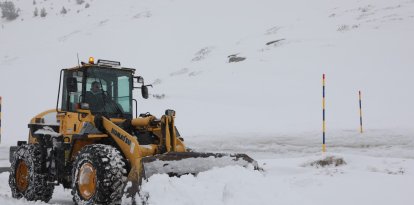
(323, 114)
(360, 113)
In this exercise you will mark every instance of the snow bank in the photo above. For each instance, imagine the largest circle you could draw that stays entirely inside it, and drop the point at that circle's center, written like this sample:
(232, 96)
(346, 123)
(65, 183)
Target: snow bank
(234, 185)
(363, 180)
(377, 143)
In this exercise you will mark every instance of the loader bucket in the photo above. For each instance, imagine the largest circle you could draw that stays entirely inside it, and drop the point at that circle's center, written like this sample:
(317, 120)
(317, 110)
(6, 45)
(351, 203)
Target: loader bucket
(180, 163)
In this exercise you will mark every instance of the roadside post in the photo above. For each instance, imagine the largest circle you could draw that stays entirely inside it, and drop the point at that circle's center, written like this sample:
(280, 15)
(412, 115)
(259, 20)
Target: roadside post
(0, 119)
(360, 113)
(323, 114)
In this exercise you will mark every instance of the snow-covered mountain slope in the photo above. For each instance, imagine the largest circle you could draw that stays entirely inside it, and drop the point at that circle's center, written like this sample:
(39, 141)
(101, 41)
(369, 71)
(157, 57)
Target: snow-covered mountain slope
(182, 47)
(268, 105)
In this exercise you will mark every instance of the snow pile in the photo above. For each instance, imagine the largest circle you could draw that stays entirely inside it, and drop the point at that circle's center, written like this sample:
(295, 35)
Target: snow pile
(46, 130)
(194, 165)
(363, 180)
(230, 185)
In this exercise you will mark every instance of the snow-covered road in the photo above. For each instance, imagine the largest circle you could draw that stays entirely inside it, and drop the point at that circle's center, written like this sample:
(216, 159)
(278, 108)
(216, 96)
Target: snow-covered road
(379, 170)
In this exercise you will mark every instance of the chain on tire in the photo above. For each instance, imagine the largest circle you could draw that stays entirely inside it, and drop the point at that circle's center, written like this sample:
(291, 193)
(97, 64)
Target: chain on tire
(26, 178)
(99, 175)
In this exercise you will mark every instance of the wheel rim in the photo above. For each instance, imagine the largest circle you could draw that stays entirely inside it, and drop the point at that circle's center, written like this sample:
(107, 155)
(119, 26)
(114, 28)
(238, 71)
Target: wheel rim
(22, 176)
(87, 180)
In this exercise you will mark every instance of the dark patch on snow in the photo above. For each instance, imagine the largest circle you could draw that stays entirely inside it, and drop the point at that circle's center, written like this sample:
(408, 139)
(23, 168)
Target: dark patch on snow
(344, 27)
(274, 42)
(158, 96)
(7, 60)
(400, 171)
(157, 82)
(103, 22)
(194, 73)
(272, 30)
(180, 72)
(234, 58)
(66, 37)
(201, 54)
(144, 14)
(327, 162)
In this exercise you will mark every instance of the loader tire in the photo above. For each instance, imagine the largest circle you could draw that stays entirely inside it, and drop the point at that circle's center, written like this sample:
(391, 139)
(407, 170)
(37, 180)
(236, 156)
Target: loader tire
(26, 178)
(99, 175)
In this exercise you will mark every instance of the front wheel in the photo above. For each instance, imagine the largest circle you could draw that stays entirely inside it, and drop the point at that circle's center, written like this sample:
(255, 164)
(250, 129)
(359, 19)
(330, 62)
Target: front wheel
(27, 179)
(99, 175)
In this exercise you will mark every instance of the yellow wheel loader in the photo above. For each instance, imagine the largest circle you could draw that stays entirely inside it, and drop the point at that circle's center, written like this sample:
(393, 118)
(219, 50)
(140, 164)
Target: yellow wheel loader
(93, 143)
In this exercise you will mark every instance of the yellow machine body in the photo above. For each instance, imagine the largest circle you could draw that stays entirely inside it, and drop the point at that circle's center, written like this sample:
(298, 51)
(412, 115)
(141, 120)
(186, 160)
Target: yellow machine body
(70, 124)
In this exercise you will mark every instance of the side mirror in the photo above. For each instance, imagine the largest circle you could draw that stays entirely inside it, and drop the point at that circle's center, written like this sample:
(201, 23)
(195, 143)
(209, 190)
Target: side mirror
(72, 84)
(140, 79)
(144, 91)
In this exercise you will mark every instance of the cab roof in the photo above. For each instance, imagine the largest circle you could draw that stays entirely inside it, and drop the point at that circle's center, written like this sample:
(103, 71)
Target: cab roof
(103, 64)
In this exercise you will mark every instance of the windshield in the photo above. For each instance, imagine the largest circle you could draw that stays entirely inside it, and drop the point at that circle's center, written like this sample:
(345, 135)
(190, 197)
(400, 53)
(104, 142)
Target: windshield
(107, 91)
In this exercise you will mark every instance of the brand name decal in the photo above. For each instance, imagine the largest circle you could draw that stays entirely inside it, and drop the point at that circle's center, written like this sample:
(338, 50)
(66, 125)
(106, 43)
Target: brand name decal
(121, 137)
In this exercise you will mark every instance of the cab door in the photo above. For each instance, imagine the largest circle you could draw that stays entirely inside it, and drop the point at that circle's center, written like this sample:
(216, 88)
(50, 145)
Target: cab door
(72, 93)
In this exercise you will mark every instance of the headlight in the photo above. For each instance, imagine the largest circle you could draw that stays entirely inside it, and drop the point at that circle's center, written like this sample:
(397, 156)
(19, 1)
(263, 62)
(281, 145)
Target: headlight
(170, 112)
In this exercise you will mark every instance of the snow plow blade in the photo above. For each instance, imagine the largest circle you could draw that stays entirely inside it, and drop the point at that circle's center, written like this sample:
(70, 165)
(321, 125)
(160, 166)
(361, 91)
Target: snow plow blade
(180, 163)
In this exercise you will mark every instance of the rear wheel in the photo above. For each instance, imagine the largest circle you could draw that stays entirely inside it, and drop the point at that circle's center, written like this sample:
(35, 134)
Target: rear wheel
(99, 175)
(26, 177)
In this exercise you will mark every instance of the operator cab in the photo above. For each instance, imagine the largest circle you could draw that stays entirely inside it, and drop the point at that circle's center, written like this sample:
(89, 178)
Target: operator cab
(104, 88)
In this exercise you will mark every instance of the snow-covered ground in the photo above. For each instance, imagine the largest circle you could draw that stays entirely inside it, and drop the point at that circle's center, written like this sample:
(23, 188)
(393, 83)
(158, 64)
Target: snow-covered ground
(268, 106)
(376, 172)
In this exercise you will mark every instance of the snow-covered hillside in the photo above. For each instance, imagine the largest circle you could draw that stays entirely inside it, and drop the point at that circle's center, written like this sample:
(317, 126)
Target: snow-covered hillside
(182, 47)
(268, 105)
